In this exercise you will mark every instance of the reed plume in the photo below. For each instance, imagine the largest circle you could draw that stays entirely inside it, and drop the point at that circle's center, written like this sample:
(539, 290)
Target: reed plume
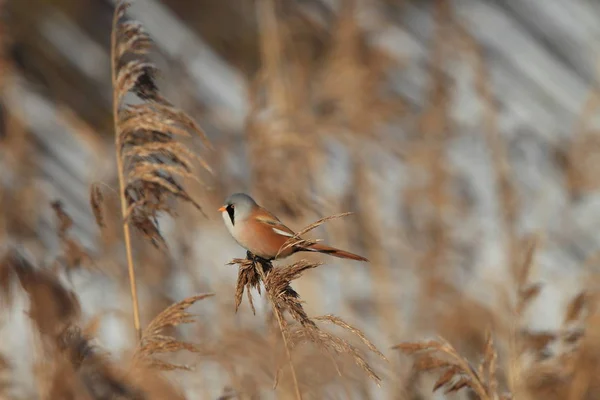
(456, 371)
(284, 299)
(149, 158)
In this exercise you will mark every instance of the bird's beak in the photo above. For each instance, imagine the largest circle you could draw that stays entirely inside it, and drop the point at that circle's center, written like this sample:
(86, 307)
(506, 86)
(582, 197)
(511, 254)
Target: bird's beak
(223, 208)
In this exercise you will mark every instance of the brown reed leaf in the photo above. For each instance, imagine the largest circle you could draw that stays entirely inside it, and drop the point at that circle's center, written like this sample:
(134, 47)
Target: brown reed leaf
(151, 160)
(154, 342)
(73, 254)
(96, 200)
(461, 383)
(445, 378)
(51, 306)
(536, 342)
(527, 294)
(528, 260)
(575, 308)
(64, 220)
(6, 274)
(427, 363)
(413, 347)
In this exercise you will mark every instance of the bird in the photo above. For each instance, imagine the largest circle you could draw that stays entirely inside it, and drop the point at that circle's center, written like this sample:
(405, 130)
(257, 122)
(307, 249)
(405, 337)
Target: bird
(262, 234)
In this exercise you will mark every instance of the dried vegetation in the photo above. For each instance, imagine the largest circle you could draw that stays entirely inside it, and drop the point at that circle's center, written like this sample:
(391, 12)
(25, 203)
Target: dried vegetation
(313, 84)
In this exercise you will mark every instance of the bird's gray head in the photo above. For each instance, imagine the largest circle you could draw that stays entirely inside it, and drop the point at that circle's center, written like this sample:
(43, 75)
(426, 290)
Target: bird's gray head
(238, 207)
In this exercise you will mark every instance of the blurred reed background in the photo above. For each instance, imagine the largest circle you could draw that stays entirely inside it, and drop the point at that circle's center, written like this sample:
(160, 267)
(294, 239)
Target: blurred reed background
(461, 134)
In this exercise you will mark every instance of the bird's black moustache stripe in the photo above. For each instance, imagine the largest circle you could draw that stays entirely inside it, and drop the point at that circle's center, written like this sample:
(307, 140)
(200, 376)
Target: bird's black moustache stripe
(231, 214)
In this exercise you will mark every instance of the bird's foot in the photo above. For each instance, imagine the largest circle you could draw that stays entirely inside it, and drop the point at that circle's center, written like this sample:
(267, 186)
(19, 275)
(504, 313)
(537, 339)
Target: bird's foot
(257, 259)
(254, 257)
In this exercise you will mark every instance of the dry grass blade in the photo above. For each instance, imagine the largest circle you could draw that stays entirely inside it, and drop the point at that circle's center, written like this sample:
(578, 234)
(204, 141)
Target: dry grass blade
(154, 342)
(96, 200)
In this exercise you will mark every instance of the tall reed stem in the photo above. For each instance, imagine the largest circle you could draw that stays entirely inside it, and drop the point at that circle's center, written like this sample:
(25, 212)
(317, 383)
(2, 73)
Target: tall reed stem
(126, 231)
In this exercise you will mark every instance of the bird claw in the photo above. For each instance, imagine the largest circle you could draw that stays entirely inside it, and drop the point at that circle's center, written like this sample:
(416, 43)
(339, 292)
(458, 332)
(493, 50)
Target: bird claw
(253, 257)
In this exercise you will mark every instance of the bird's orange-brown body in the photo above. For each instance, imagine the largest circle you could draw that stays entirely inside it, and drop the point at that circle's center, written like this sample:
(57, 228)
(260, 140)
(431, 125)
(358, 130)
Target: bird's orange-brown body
(263, 234)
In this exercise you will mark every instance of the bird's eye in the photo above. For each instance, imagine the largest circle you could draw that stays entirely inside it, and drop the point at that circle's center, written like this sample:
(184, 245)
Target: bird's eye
(231, 213)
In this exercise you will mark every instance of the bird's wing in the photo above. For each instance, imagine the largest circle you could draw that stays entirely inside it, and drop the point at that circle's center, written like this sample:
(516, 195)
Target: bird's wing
(265, 217)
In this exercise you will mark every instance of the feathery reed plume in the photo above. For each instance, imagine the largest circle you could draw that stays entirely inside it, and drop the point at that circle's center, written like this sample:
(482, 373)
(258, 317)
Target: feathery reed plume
(277, 282)
(457, 372)
(149, 159)
(154, 341)
(248, 278)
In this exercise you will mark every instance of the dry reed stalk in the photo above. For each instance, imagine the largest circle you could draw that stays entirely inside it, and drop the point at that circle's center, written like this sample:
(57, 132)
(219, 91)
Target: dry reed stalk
(495, 141)
(349, 82)
(434, 127)
(149, 159)
(281, 323)
(283, 145)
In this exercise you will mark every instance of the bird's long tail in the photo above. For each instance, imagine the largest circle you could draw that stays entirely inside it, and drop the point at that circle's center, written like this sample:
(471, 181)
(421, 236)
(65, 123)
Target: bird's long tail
(320, 248)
